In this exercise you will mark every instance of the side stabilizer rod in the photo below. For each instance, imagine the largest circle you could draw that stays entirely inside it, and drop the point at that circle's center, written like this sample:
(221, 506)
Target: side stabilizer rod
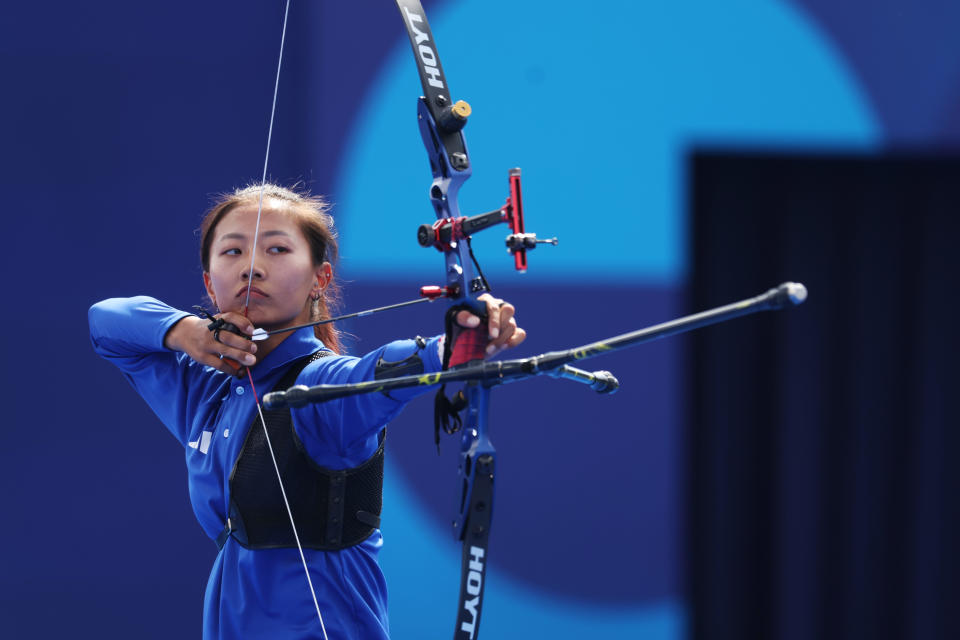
(599, 381)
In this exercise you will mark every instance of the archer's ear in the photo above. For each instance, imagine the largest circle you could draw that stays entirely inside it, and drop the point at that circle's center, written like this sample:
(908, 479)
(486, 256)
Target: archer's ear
(208, 285)
(324, 275)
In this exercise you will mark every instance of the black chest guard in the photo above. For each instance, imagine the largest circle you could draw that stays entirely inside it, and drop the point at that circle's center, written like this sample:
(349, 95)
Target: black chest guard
(333, 509)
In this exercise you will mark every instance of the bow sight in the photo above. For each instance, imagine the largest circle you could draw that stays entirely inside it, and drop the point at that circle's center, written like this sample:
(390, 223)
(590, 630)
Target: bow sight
(445, 232)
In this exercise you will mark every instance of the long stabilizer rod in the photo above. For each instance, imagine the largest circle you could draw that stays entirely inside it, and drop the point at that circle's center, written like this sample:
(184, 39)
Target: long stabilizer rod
(788, 294)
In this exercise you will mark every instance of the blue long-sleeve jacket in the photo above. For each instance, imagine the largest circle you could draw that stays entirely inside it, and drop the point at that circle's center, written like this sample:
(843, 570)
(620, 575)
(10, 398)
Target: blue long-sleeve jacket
(263, 593)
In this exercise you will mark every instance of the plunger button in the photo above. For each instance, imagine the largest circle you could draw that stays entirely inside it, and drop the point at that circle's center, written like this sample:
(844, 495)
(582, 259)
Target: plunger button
(453, 118)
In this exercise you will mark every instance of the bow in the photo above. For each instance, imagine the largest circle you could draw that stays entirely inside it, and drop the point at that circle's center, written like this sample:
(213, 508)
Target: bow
(441, 124)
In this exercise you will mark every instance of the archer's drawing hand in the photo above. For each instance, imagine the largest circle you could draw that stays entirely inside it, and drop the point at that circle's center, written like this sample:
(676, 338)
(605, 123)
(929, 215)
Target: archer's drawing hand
(501, 323)
(222, 350)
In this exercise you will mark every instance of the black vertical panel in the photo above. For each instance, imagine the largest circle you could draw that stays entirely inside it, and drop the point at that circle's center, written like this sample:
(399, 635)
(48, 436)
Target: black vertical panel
(823, 443)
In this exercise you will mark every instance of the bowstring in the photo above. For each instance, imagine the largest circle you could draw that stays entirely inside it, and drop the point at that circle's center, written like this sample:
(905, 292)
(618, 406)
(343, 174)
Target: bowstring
(246, 309)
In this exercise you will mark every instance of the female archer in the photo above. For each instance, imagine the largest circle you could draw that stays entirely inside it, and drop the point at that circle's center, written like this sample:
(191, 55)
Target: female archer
(202, 385)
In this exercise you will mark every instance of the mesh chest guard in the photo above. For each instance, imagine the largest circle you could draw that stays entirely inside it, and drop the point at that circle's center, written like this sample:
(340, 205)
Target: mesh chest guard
(333, 509)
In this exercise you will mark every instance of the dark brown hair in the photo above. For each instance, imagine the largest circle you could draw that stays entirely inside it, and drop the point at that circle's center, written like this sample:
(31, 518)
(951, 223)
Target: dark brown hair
(311, 213)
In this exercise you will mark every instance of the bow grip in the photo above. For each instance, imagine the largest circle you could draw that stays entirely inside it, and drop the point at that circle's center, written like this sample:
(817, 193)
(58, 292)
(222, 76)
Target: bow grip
(463, 344)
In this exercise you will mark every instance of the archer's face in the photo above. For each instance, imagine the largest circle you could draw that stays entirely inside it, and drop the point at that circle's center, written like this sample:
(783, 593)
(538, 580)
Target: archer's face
(284, 276)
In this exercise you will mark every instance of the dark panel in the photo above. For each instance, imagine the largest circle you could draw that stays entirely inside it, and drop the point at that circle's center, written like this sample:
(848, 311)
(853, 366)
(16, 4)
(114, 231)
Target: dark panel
(821, 438)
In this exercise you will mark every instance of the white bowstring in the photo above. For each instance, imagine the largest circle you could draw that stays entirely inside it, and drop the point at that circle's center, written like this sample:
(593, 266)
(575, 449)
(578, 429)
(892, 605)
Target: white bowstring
(266, 159)
(246, 306)
(286, 503)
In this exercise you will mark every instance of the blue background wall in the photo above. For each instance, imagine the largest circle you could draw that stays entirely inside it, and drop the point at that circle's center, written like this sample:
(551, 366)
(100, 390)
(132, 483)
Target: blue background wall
(119, 121)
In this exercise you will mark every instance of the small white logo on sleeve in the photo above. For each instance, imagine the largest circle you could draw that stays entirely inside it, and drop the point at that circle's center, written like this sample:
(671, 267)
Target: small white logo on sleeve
(203, 444)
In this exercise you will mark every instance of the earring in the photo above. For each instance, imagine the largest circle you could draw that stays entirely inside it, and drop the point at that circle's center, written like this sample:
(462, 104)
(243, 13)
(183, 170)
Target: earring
(316, 297)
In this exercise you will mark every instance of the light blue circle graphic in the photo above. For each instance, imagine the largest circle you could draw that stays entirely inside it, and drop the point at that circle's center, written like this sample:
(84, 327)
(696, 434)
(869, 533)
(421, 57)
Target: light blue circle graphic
(599, 105)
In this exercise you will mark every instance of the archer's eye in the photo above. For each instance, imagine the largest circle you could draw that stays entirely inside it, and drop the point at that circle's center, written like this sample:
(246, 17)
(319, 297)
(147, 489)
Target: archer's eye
(230, 252)
(278, 249)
